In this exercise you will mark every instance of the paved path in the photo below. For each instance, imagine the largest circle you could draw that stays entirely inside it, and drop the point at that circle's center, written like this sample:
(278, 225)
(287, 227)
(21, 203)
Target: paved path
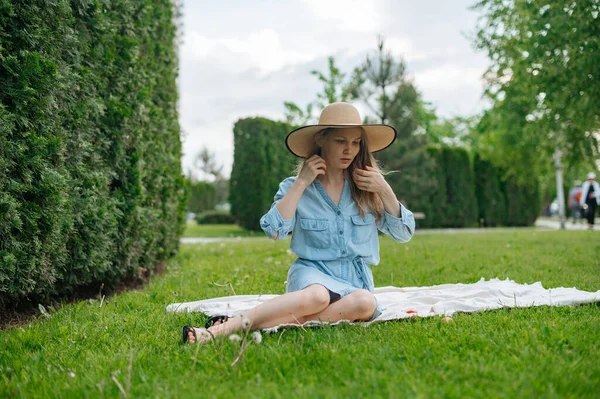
(555, 224)
(204, 240)
(544, 224)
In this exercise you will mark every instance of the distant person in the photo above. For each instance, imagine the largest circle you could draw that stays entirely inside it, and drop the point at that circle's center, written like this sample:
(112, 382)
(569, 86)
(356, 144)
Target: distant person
(590, 198)
(574, 199)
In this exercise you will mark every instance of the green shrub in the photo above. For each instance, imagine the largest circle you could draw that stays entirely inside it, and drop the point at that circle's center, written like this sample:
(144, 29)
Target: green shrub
(438, 197)
(202, 197)
(461, 208)
(490, 197)
(90, 177)
(503, 201)
(215, 217)
(453, 202)
(523, 204)
(260, 162)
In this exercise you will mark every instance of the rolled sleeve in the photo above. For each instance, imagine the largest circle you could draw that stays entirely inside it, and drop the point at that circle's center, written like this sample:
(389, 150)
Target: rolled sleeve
(401, 228)
(272, 222)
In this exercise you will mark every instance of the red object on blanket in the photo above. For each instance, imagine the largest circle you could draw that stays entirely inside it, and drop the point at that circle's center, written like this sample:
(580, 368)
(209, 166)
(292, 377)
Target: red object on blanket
(411, 311)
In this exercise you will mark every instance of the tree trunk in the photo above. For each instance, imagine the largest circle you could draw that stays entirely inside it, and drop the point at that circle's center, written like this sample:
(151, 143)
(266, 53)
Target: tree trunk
(559, 187)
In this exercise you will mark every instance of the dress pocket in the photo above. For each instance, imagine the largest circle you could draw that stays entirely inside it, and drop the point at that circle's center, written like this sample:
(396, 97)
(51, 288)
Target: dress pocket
(316, 232)
(362, 228)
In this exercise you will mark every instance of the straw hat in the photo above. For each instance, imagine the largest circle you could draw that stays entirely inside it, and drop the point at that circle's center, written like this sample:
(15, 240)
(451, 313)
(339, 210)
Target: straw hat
(300, 142)
(591, 175)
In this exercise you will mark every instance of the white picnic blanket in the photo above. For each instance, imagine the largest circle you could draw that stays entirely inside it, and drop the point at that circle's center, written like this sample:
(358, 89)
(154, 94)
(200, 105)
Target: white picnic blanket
(400, 303)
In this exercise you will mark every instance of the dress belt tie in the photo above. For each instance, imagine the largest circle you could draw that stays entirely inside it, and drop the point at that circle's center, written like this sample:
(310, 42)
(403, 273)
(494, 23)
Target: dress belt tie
(362, 271)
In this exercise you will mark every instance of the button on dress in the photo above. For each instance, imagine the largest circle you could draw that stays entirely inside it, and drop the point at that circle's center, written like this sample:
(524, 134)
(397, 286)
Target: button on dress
(334, 244)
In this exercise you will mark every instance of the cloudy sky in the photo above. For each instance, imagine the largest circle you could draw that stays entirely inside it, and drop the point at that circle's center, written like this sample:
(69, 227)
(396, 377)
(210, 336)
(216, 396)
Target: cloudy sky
(245, 58)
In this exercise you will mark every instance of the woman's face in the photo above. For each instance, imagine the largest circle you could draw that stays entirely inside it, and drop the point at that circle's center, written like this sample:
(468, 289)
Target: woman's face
(341, 146)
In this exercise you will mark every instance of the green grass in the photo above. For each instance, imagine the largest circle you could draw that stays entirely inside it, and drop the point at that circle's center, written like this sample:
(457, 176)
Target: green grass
(534, 352)
(194, 229)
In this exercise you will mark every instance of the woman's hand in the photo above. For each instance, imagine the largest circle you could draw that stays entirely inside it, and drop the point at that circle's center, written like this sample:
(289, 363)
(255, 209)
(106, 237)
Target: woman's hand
(311, 168)
(370, 179)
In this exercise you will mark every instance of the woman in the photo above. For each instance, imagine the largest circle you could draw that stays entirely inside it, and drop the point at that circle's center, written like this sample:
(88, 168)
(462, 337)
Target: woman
(334, 207)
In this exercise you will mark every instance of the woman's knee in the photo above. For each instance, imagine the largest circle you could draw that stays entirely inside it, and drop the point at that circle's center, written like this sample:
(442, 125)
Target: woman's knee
(364, 304)
(315, 298)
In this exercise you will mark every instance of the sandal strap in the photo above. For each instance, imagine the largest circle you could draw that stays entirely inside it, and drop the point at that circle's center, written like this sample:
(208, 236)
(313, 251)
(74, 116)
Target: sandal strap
(186, 330)
(210, 322)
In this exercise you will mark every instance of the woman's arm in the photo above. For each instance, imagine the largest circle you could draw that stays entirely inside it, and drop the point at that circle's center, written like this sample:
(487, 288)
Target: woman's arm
(311, 168)
(281, 217)
(273, 223)
(288, 204)
(397, 221)
(390, 202)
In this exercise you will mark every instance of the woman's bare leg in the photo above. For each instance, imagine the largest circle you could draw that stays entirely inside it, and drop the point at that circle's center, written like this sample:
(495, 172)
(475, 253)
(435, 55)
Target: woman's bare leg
(287, 308)
(359, 305)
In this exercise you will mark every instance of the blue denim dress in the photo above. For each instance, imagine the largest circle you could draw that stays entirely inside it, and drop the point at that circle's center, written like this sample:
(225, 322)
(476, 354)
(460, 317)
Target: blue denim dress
(333, 243)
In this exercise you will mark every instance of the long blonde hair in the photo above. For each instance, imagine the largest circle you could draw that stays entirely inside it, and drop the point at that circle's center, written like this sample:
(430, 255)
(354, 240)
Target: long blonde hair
(365, 200)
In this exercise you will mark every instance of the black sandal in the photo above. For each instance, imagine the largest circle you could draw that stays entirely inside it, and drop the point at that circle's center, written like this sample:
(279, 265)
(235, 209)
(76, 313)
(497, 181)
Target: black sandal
(187, 329)
(211, 322)
(184, 334)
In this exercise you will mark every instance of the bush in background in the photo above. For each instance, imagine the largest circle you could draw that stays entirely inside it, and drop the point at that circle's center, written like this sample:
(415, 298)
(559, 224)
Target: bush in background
(461, 208)
(490, 197)
(260, 162)
(442, 182)
(202, 197)
(523, 203)
(215, 217)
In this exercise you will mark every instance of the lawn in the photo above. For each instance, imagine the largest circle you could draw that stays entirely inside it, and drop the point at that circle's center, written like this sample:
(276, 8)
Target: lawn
(194, 229)
(84, 349)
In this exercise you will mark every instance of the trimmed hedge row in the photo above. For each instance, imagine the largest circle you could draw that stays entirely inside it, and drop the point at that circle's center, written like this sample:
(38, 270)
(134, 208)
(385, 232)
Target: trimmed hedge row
(503, 201)
(91, 187)
(202, 197)
(478, 194)
(215, 217)
(491, 199)
(460, 208)
(441, 182)
(260, 163)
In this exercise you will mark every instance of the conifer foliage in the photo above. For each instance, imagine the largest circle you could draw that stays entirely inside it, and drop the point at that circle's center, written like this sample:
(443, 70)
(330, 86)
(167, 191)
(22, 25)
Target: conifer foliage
(91, 189)
(260, 162)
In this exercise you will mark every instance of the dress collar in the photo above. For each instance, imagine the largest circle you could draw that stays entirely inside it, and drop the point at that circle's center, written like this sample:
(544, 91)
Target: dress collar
(326, 196)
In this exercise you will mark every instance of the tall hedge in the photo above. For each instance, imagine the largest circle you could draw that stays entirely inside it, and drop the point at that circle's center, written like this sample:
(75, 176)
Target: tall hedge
(460, 188)
(91, 187)
(202, 197)
(436, 212)
(502, 200)
(260, 162)
(490, 196)
(523, 204)
(454, 203)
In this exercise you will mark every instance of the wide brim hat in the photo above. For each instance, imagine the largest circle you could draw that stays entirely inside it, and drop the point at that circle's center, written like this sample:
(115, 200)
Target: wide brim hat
(338, 115)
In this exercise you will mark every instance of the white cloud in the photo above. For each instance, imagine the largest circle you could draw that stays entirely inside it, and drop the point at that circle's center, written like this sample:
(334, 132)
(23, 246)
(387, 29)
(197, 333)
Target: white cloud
(350, 15)
(262, 50)
(404, 48)
(449, 77)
